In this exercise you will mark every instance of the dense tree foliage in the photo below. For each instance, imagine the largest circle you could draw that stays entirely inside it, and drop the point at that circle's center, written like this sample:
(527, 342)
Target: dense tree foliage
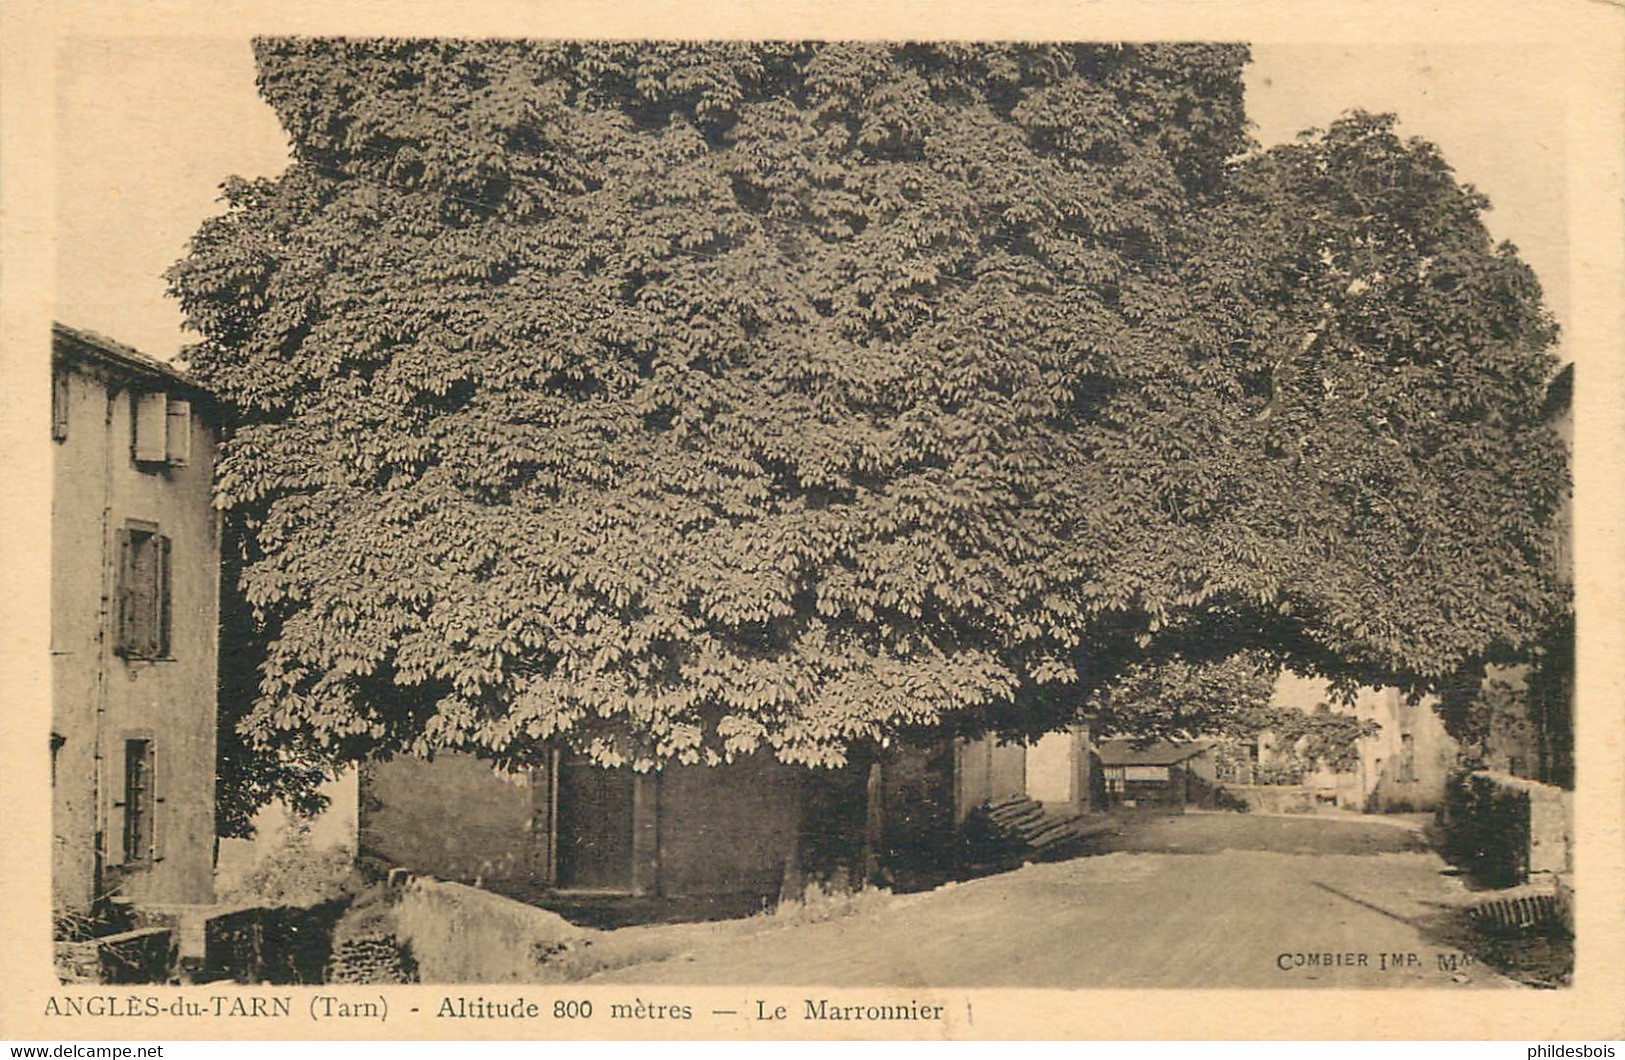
(676, 400)
(1364, 437)
(1176, 698)
(1321, 738)
(249, 773)
(1229, 699)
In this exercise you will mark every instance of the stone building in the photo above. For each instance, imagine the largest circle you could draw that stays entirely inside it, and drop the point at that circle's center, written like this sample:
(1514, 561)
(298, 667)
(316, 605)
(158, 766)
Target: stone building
(1404, 766)
(572, 827)
(750, 829)
(135, 580)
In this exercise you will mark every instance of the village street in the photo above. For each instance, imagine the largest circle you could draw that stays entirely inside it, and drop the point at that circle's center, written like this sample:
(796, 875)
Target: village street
(1201, 900)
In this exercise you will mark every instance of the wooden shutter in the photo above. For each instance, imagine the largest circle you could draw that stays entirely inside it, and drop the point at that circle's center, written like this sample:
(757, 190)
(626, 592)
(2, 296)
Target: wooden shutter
(178, 434)
(143, 594)
(59, 405)
(122, 602)
(155, 816)
(151, 428)
(161, 597)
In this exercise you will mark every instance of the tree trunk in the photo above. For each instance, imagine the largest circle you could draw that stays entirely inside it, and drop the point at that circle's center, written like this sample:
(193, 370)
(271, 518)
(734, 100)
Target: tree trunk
(874, 823)
(794, 886)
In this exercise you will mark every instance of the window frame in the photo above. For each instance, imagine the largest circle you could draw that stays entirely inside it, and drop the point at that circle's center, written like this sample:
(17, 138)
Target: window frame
(141, 802)
(160, 430)
(61, 397)
(1407, 758)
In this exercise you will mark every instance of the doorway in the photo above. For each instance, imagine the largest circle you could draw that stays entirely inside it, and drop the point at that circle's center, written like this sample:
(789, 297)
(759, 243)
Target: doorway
(593, 835)
(1051, 769)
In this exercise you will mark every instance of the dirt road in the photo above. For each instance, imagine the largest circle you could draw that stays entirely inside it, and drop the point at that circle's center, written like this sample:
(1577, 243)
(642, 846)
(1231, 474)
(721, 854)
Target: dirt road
(1200, 900)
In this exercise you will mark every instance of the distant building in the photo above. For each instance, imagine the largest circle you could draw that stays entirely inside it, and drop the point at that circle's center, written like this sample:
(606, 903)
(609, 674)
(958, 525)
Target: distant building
(1069, 773)
(1163, 774)
(1403, 767)
(135, 579)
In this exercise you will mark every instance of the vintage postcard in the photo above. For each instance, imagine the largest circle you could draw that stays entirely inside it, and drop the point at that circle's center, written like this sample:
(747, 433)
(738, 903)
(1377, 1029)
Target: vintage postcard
(843, 521)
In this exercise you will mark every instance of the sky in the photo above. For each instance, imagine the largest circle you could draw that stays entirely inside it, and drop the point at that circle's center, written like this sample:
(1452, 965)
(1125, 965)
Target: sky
(149, 127)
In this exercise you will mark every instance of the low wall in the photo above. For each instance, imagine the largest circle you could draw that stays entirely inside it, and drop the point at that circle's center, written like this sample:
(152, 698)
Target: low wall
(1503, 828)
(366, 948)
(1563, 896)
(1264, 798)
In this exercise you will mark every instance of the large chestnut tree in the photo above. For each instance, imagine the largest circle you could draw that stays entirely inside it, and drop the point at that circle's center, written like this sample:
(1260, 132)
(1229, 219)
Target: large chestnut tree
(673, 401)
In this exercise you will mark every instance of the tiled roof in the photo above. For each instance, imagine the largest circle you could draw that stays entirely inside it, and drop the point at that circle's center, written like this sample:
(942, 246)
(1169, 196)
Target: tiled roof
(1128, 752)
(88, 344)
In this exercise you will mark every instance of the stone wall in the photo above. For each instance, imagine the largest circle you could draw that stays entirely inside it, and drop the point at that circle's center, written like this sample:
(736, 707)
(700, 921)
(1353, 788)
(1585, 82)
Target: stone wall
(144, 955)
(1265, 798)
(987, 771)
(367, 947)
(701, 830)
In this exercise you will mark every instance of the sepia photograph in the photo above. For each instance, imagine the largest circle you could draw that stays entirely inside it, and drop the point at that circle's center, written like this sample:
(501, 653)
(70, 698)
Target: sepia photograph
(885, 519)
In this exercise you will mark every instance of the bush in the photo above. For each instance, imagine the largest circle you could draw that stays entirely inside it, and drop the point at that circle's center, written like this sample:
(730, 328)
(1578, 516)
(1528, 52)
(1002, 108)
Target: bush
(1279, 774)
(296, 873)
(1486, 829)
(983, 841)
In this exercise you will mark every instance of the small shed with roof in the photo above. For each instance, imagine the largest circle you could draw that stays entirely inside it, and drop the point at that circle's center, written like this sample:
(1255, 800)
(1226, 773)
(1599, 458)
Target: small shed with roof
(1165, 774)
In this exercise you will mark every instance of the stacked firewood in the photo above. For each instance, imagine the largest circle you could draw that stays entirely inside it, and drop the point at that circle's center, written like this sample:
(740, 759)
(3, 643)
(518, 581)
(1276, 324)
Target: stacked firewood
(1026, 821)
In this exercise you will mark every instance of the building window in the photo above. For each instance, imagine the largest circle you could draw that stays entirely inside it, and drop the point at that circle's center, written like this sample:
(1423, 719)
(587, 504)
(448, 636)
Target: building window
(140, 803)
(1407, 757)
(162, 430)
(143, 592)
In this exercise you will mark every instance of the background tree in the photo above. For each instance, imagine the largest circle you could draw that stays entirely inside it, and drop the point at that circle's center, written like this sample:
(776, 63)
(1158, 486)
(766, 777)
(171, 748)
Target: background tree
(1229, 700)
(1177, 698)
(1340, 459)
(250, 772)
(679, 400)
